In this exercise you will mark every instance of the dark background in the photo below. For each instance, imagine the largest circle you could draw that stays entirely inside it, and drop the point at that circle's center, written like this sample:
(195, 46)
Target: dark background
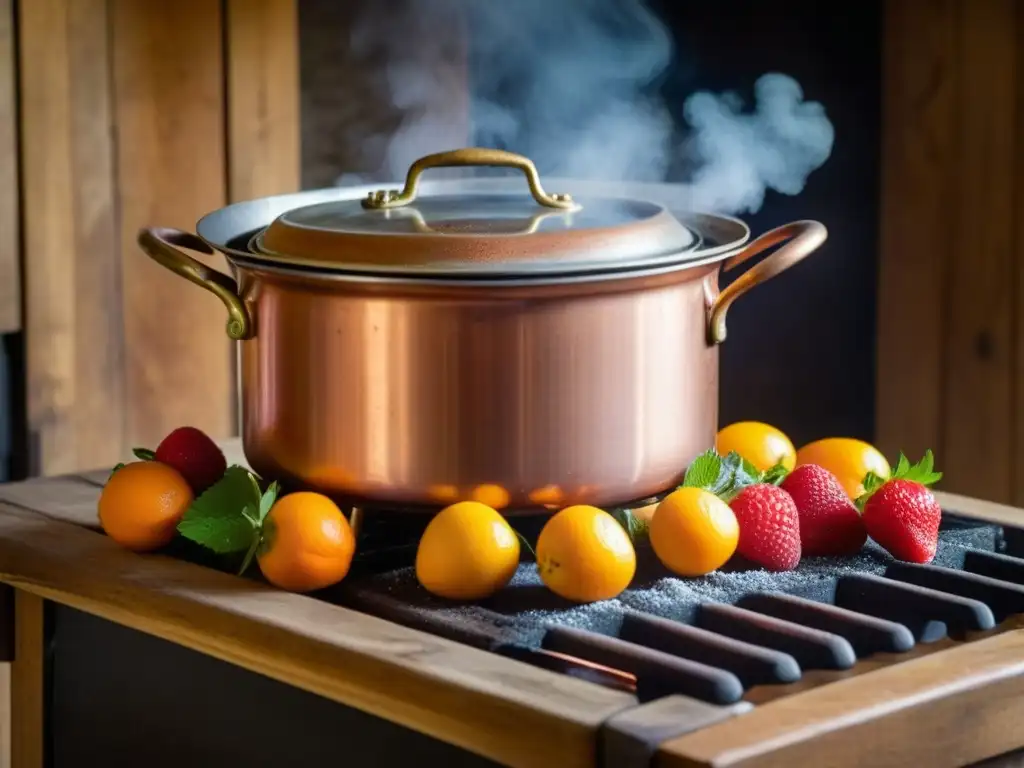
(801, 349)
(800, 355)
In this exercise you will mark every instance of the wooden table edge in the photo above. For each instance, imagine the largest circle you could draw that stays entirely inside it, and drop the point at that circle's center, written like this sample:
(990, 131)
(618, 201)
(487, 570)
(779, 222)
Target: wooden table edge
(849, 722)
(476, 700)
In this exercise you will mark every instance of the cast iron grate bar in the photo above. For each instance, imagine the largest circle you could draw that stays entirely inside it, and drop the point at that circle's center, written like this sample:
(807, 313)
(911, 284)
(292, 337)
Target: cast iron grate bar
(915, 606)
(752, 664)
(1003, 598)
(812, 648)
(867, 634)
(994, 565)
(657, 673)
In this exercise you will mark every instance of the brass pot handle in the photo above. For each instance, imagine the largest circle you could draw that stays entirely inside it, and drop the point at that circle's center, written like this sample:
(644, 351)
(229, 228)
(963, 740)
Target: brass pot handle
(804, 237)
(162, 245)
(471, 156)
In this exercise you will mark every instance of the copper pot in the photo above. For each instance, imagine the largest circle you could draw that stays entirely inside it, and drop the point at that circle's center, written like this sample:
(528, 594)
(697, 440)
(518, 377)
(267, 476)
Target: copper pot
(528, 352)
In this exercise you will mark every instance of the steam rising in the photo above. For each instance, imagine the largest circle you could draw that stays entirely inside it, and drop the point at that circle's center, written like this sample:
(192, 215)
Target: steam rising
(574, 86)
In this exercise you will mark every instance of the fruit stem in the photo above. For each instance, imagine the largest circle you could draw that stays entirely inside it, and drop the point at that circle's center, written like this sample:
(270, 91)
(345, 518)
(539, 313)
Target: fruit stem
(251, 553)
(526, 544)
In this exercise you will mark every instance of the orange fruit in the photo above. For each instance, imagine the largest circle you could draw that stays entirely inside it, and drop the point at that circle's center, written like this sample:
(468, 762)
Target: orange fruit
(467, 552)
(693, 532)
(142, 503)
(762, 445)
(848, 459)
(584, 555)
(307, 543)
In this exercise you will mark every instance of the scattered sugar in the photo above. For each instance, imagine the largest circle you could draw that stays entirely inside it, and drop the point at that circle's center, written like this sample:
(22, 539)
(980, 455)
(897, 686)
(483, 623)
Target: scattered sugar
(521, 613)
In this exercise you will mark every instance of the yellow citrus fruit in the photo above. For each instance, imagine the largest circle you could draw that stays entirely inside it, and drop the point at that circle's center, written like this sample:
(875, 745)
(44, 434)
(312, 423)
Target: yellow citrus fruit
(848, 459)
(762, 445)
(693, 532)
(307, 543)
(583, 554)
(142, 503)
(467, 552)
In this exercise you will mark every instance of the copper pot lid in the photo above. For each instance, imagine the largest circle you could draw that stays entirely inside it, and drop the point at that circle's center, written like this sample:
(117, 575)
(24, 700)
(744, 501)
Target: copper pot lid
(492, 234)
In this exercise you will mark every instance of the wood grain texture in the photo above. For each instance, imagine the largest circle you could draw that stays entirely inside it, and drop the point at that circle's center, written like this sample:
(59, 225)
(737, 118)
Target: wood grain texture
(10, 245)
(27, 680)
(1018, 410)
(473, 699)
(262, 97)
(979, 400)
(168, 74)
(919, 91)
(945, 709)
(71, 267)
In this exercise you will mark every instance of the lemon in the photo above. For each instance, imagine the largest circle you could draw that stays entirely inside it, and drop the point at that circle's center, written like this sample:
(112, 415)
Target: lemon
(467, 552)
(762, 445)
(584, 555)
(693, 532)
(848, 459)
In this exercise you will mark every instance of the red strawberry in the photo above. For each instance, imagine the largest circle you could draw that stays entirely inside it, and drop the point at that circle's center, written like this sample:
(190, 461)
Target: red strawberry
(903, 517)
(829, 522)
(900, 513)
(194, 455)
(769, 527)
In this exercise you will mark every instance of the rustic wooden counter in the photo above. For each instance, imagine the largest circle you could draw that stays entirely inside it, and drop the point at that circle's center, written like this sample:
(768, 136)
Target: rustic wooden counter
(954, 704)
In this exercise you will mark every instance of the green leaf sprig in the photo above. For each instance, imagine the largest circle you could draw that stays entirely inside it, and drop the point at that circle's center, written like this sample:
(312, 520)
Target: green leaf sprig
(922, 472)
(228, 518)
(725, 476)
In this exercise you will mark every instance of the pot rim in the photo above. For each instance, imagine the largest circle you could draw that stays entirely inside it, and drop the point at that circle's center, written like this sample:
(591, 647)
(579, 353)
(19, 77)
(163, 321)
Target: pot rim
(230, 230)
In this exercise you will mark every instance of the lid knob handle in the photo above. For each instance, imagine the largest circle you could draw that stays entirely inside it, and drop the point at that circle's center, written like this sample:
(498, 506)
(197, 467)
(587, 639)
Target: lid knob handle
(472, 156)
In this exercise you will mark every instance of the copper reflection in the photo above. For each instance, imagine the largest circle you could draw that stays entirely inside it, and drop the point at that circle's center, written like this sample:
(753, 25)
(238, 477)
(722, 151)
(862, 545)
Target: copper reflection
(385, 394)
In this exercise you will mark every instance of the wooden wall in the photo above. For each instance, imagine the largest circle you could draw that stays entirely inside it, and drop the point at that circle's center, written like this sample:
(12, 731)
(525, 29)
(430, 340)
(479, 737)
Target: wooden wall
(133, 113)
(951, 315)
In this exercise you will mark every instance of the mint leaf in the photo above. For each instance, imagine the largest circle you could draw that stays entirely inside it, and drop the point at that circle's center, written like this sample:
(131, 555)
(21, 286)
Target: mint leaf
(223, 535)
(144, 454)
(774, 475)
(704, 471)
(221, 518)
(267, 501)
(745, 473)
(635, 527)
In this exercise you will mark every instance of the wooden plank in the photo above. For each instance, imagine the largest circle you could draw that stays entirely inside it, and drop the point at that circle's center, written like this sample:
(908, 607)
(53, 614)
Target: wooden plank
(477, 700)
(263, 98)
(631, 738)
(27, 680)
(909, 713)
(979, 509)
(70, 499)
(71, 268)
(169, 109)
(977, 453)
(919, 91)
(10, 246)
(1018, 451)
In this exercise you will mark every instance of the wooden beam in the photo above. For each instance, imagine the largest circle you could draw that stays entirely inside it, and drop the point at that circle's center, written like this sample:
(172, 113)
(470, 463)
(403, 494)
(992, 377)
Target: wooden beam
(10, 246)
(27, 674)
(977, 453)
(168, 74)
(73, 323)
(263, 98)
(919, 95)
